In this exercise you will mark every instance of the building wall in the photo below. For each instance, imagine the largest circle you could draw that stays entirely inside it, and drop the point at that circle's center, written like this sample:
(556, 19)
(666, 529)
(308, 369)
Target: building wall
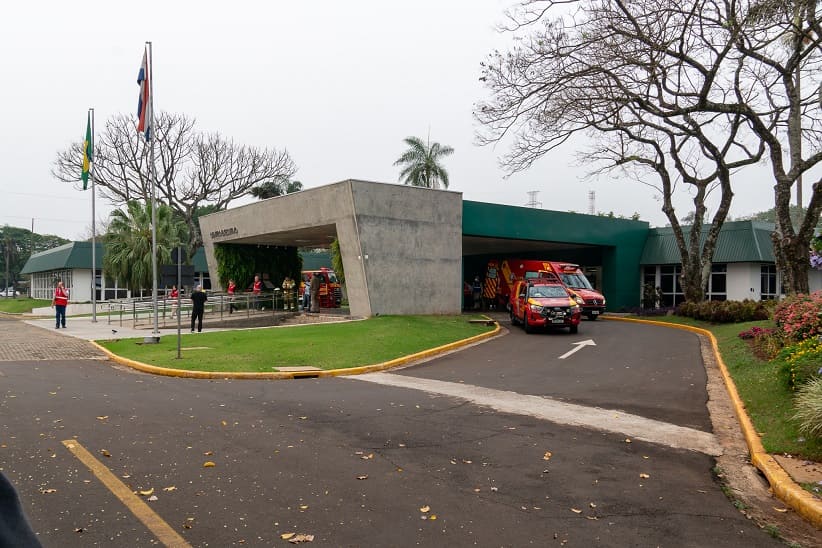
(743, 281)
(401, 246)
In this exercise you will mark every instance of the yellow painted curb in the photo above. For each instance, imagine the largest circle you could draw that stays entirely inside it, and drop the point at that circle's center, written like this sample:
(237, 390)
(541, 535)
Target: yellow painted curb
(782, 485)
(155, 370)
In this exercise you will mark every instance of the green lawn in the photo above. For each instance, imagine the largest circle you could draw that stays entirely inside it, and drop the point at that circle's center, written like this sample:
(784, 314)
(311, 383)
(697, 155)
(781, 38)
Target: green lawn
(767, 397)
(327, 346)
(17, 305)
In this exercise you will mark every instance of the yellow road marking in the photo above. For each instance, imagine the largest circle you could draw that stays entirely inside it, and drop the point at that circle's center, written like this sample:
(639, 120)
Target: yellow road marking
(140, 509)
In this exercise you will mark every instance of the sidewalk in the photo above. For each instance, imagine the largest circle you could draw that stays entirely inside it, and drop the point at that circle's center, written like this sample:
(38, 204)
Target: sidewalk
(83, 328)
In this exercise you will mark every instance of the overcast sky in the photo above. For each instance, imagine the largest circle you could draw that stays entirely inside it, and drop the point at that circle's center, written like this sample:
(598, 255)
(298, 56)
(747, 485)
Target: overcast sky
(337, 84)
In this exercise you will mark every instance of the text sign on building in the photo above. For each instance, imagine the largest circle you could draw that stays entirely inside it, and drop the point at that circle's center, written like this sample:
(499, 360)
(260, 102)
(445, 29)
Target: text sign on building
(223, 233)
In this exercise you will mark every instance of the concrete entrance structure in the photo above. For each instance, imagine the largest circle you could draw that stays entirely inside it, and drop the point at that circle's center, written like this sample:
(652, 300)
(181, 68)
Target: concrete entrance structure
(401, 246)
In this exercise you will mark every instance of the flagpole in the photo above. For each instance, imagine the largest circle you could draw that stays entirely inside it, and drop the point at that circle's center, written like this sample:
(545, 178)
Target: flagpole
(93, 229)
(156, 332)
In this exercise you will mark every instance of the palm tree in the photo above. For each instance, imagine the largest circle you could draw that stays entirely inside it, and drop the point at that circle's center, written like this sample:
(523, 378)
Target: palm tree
(421, 165)
(128, 242)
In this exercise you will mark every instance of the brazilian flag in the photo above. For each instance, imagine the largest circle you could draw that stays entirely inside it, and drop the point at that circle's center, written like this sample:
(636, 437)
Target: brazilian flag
(87, 153)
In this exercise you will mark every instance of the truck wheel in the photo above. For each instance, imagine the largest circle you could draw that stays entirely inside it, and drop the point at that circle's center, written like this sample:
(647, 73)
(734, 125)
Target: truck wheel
(525, 324)
(574, 329)
(514, 319)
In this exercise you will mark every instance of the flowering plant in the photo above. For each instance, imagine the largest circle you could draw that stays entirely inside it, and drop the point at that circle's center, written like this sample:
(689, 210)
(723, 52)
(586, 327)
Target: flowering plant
(799, 317)
(754, 332)
(816, 253)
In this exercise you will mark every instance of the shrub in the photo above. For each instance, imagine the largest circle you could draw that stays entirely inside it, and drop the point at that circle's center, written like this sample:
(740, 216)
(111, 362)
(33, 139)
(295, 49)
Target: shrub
(766, 342)
(808, 405)
(800, 316)
(801, 362)
(724, 311)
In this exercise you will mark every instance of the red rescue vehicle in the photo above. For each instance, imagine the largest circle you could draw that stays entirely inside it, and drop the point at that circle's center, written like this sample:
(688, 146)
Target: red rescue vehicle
(501, 276)
(330, 289)
(544, 303)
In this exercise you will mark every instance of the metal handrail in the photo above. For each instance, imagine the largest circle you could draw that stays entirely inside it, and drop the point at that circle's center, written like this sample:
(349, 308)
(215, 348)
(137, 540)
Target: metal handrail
(140, 309)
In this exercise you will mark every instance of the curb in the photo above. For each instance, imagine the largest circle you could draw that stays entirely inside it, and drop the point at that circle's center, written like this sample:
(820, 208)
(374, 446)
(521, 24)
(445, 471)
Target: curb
(278, 375)
(782, 485)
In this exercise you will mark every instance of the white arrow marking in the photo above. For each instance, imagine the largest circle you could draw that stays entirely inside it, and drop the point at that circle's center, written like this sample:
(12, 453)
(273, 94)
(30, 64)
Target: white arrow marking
(579, 345)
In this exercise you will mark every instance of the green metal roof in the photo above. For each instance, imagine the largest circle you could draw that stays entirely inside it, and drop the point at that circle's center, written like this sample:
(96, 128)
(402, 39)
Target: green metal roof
(71, 255)
(78, 255)
(739, 242)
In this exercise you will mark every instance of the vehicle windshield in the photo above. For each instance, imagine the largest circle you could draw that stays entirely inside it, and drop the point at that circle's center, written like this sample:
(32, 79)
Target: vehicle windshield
(332, 278)
(546, 291)
(577, 281)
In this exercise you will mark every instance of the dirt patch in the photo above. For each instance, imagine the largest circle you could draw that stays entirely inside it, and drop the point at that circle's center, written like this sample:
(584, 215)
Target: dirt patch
(745, 486)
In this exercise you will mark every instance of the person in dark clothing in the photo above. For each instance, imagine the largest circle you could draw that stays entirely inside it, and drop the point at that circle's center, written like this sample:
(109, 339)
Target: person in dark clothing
(14, 528)
(198, 300)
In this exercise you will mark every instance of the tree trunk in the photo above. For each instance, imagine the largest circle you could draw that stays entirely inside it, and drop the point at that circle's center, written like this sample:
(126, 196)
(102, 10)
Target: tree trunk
(793, 262)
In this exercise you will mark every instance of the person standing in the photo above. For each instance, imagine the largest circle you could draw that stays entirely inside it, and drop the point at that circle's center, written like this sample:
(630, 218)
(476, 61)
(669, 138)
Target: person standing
(172, 295)
(476, 293)
(232, 287)
(256, 289)
(315, 292)
(288, 293)
(198, 300)
(60, 302)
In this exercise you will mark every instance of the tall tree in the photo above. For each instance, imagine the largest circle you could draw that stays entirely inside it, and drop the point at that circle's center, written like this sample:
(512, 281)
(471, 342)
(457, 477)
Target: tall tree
(127, 256)
(421, 163)
(193, 169)
(754, 59)
(17, 245)
(630, 76)
(273, 188)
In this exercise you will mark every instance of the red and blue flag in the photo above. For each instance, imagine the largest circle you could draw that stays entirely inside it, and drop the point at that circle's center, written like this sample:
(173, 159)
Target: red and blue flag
(144, 105)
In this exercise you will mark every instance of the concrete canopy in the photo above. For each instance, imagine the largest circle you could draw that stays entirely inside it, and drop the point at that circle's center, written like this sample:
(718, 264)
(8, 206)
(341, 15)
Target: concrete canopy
(401, 246)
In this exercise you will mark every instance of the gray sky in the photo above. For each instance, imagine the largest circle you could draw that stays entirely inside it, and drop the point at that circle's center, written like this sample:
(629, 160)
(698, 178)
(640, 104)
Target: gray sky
(337, 84)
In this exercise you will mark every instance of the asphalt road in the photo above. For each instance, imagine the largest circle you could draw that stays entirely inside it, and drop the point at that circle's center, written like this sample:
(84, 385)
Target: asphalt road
(501, 444)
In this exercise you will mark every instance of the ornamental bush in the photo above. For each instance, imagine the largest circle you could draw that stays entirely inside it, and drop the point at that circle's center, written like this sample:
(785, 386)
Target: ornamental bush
(800, 316)
(808, 404)
(724, 311)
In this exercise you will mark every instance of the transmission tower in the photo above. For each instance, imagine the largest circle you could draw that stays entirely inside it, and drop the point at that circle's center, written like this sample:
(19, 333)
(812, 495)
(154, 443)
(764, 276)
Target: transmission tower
(532, 199)
(592, 198)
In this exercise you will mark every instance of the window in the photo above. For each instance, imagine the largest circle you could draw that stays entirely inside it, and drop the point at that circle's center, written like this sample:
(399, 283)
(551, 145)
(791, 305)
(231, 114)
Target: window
(669, 283)
(767, 277)
(718, 283)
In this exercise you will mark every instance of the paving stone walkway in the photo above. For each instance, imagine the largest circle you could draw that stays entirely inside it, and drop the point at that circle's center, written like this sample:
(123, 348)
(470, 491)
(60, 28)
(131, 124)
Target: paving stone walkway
(20, 341)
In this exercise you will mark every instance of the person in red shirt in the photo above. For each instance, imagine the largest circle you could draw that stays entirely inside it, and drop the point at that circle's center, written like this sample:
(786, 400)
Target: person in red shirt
(232, 287)
(258, 286)
(60, 302)
(172, 296)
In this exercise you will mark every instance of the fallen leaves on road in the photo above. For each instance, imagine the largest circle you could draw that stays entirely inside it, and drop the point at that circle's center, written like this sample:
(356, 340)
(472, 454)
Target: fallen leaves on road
(425, 509)
(105, 453)
(147, 492)
(644, 476)
(547, 455)
(363, 477)
(295, 538)
(102, 418)
(781, 510)
(48, 491)
(576, 510)
(169, 488)
(208, 464)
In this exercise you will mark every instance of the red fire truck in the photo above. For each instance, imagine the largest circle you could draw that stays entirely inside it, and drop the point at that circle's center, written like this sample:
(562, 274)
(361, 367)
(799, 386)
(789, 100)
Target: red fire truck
(501, 276)
(330, 293)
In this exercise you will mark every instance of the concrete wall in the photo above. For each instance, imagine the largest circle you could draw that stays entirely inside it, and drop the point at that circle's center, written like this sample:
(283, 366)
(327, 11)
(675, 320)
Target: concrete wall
(401, 246)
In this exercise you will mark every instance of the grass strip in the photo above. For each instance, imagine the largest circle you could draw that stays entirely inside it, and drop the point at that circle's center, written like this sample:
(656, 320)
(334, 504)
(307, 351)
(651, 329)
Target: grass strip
(19, 305)
(326, 346)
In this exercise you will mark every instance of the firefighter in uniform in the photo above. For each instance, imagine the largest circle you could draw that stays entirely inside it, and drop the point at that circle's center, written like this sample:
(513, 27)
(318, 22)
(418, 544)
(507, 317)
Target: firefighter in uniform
(288, 294)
